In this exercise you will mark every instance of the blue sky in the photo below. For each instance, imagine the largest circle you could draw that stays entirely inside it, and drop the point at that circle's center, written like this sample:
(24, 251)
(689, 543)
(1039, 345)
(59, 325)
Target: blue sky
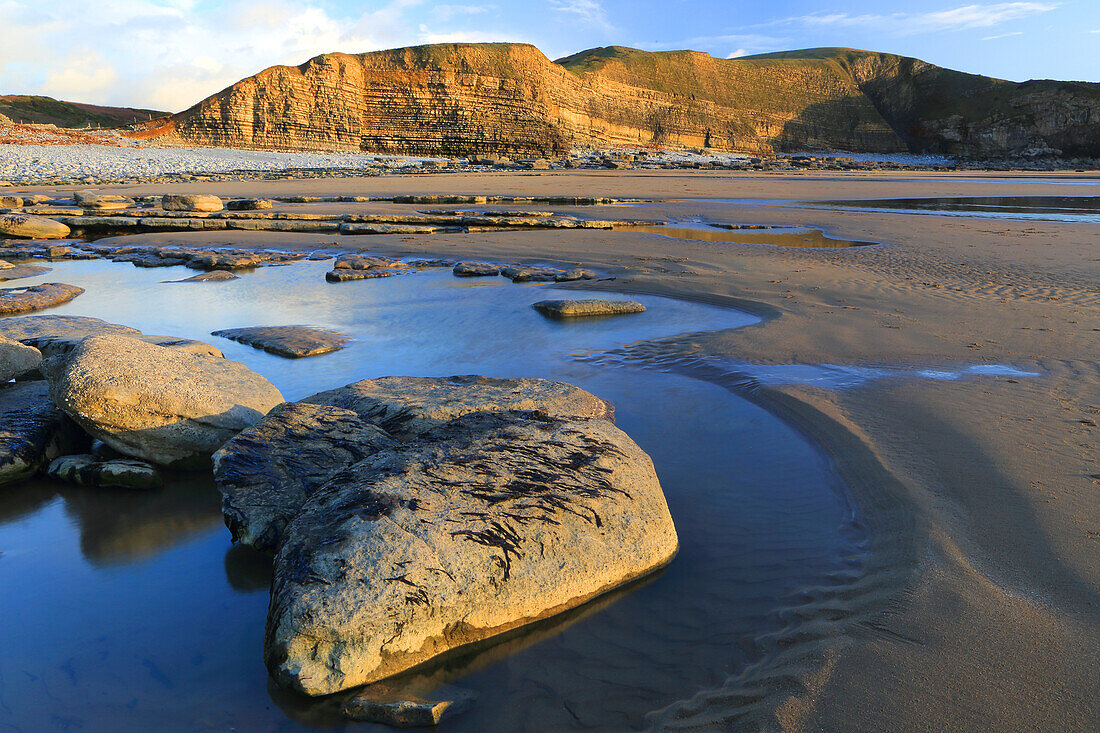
(168, 54)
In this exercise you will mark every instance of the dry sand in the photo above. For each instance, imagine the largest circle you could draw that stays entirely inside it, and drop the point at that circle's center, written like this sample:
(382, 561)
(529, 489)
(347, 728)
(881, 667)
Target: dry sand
(980, 609)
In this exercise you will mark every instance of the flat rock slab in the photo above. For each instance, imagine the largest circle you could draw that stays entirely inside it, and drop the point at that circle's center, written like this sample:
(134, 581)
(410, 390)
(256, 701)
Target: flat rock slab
(123, 473)
(488, 523)
(32, 431)
(530, 274)
(161, 405)
(19, 272)
(36, 297)
(587, 308)
(409, 406)
(267, 472)
(28, 226)
(367, 262)
(476, 269)
(290, 341)
(54, 335)
(249, 204)
(206, 277)
(101, 202)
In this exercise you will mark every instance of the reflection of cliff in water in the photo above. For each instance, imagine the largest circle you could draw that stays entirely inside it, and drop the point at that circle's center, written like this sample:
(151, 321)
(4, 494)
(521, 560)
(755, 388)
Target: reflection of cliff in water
(120, 526)
(22, 499)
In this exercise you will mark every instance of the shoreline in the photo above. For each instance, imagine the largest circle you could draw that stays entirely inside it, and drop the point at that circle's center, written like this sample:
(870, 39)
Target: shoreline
(980, 582)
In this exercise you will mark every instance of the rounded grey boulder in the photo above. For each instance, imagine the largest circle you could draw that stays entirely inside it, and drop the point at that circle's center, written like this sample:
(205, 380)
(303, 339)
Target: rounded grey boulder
(87, 470)
(16, 359)
(28, 226)
(162, 405)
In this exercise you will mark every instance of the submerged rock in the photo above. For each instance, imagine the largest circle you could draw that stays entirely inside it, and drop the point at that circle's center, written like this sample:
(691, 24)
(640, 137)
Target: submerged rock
(476, 269)
(289, 341)
(87, 470)
(28, 226)
(16, 359)
(32, 431)
(488, 523)
(158, 404)
(408, 406)
(378, 703)
(267, 472)
(36, 297)
(207, 277)
(190, 202)
(587, 308)
(343, 275)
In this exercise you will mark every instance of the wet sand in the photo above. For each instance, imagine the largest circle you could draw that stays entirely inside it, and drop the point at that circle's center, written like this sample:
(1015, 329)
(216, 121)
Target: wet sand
(980, 609)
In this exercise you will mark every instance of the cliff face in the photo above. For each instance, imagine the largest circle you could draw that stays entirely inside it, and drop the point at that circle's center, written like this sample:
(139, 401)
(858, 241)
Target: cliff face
(509, 99)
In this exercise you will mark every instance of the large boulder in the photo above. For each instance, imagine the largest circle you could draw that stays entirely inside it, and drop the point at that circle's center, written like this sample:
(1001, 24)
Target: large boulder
(485, 524)
(32, 431)
(190, 202)
(36, 297)
(161, 405)
(28, 226)
(408, 406)
(16, 359)
(267, 472)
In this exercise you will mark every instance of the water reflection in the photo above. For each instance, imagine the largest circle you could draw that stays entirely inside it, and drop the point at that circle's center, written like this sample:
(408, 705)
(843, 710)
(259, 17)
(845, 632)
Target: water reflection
(1046, 208)
(809, 237)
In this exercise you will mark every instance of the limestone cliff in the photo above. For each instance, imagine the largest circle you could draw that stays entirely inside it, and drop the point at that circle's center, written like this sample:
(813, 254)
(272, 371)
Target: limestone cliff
(509, 99)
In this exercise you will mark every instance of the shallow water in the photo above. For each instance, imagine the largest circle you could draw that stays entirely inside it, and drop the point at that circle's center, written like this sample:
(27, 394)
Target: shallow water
(775, 236)
(1043, 208)
(133, 611)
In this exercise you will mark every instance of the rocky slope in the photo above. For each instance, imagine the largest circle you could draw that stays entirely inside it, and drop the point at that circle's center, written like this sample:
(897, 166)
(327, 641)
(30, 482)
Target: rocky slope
(509, 99)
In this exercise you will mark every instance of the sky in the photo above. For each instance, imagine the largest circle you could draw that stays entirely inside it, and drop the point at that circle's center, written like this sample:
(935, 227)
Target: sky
(169, 54)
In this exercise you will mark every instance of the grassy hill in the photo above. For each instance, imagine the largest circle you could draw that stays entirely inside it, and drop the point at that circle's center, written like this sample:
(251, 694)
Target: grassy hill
(46, 110)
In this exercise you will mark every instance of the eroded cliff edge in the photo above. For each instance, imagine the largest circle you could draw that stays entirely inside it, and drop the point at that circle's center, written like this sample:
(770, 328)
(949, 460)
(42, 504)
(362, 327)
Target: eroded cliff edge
(509, 99)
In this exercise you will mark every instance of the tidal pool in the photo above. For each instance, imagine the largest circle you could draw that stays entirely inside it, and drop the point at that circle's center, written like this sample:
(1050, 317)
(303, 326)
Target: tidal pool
(133, 611)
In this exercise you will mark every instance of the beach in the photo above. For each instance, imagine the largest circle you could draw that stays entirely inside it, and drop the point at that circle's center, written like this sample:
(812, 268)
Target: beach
(979, 604)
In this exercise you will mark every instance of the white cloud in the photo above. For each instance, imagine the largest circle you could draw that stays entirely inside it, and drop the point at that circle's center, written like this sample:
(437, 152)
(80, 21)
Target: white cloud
(737, 54)
(964, 17)
(169, 54)
(1002, 35)
(587, 11)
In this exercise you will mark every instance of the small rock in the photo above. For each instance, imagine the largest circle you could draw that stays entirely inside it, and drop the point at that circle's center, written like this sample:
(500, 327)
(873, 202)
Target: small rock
(11, 202)
(475, 269)
(36, 297)
(530, 274)
(101, 202)
(249, 204)
(27, 226)
(190, 202)
(342, 275)
(587, 308)
(87, 470)
(382, 703)
(290, 341)
(575, 274)
(32, 431)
